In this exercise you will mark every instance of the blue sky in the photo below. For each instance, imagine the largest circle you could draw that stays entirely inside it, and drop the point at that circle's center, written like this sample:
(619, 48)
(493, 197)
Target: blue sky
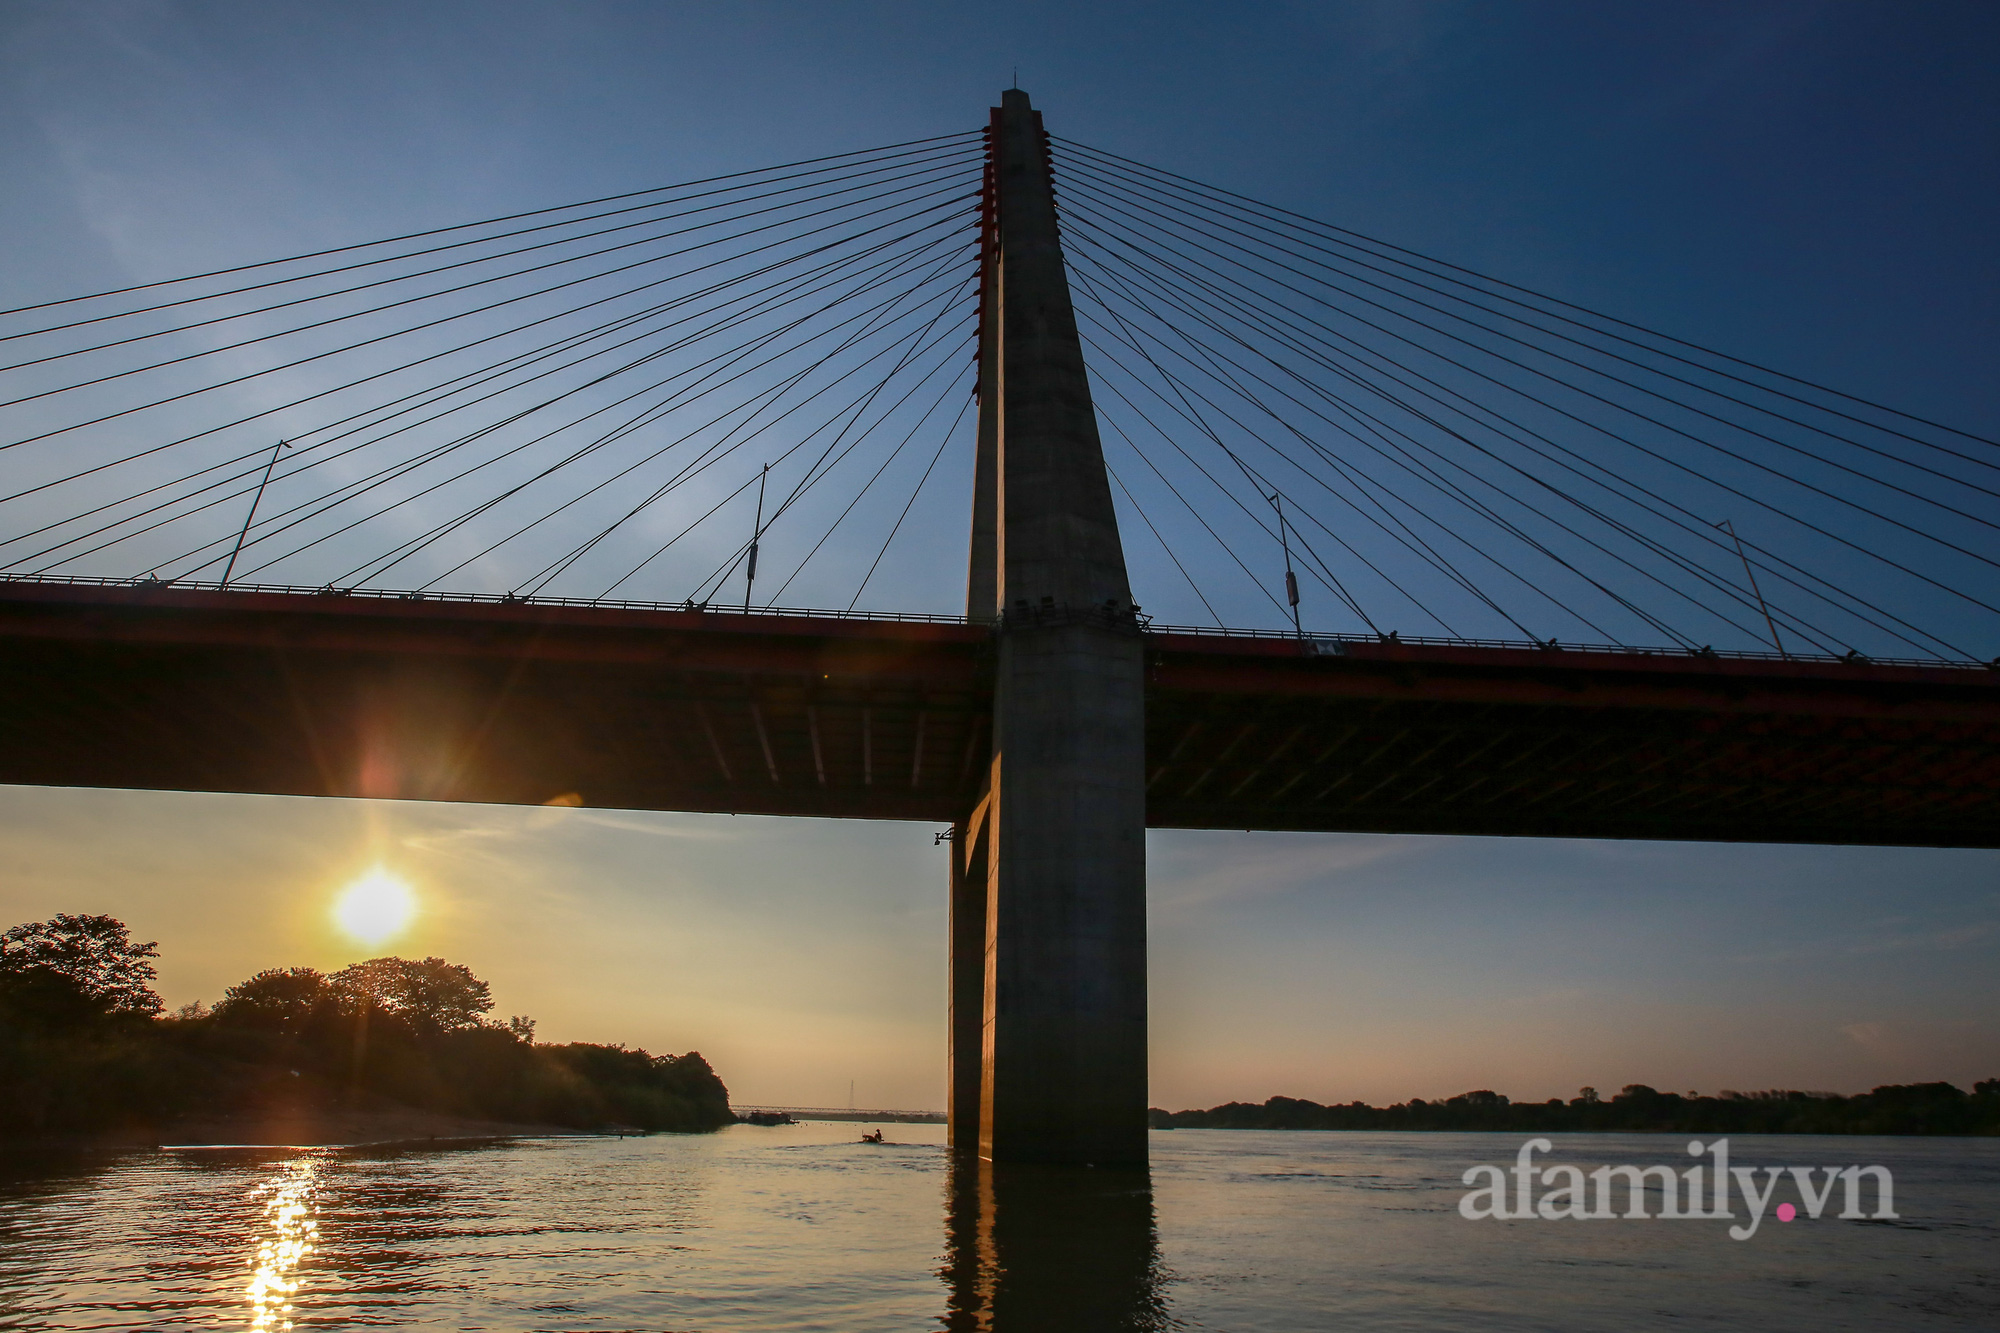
(1811, 186)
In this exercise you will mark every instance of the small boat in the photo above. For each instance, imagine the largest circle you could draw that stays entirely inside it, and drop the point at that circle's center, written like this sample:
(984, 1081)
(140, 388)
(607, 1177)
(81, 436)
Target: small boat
(876, 1137)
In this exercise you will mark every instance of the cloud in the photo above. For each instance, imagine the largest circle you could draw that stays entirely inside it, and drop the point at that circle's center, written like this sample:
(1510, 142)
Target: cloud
(1872, 1036)
(661, 829)
(1970, 935)
(444, 840)
(1237, 872)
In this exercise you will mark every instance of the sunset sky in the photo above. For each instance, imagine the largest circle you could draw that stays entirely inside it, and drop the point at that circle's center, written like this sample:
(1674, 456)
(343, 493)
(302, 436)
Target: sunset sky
(1812, 186)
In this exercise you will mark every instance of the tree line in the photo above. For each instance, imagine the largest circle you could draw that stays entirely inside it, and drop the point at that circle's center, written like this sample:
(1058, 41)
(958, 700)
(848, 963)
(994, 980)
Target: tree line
(86, 1047)
(1903, 1108)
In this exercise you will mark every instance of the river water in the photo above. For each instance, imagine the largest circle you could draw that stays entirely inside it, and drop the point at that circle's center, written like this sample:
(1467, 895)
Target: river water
(804, 1228)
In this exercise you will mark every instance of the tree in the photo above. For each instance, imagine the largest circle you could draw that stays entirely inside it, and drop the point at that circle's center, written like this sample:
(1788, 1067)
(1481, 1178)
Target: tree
(432, 996)
(72, 969)
(276, 1000)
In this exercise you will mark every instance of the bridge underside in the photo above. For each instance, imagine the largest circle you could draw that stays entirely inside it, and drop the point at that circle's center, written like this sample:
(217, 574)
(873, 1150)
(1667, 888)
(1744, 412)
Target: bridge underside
(328, 695)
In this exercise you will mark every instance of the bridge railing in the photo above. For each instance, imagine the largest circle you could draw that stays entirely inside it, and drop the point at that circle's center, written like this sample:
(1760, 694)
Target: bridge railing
(493, 598)
(1330, 645)
(1333, 645)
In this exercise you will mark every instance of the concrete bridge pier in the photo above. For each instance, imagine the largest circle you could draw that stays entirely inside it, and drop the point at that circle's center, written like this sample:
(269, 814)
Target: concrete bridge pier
(1049, 870)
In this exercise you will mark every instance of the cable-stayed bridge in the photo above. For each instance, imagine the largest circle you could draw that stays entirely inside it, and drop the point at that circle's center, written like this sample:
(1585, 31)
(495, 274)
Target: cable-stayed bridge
(522, 511)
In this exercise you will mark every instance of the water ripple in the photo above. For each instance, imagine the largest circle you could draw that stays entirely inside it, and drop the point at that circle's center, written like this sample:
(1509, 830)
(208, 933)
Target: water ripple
(801, 1228)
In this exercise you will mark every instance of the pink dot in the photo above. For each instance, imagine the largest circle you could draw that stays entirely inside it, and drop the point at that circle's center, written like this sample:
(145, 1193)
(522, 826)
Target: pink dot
(1786, 1212)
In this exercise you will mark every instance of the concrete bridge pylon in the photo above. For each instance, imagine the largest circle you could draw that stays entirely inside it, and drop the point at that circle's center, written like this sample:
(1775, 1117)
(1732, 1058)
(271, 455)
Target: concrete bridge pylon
(1048, 882)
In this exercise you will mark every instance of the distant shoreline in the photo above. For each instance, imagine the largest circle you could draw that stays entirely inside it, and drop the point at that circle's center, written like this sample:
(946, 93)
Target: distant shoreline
(1894, 1109)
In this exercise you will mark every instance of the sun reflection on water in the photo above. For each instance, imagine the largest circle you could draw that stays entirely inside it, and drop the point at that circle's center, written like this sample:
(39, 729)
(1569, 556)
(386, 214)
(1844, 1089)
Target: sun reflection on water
(290, 1242)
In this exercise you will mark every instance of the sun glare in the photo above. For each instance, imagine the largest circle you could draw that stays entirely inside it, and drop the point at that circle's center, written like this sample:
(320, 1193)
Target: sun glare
(375, 908)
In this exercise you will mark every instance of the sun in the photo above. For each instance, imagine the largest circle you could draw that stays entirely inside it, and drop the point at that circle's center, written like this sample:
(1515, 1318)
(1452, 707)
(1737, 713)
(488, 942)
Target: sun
(375, 908)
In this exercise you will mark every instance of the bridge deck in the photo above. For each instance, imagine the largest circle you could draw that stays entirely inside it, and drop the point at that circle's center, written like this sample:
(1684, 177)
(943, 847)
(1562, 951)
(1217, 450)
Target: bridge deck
(330, 695)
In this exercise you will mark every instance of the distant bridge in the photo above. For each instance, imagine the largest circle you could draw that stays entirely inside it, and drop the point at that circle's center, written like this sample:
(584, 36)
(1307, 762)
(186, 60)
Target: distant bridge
(847, 1113)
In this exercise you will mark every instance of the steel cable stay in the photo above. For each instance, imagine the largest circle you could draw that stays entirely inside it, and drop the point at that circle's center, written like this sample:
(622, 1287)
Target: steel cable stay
(1699, 528)
(657, 453)
(1513, 529)
(679, 275)
(862, 494)
(1654, 421)
(703, 392)
(1667, 352)
(717, 364)
(446, 447)
(948, 189)
(1673, 557)
(1721, 584)
(1257, 519)
(1249, 513)
(929, 176)
(525, 390)
(1262, 484)
(1125, 437)
(643, 418)
(943, 396)
(1474, 505)
(729, 322)
(820, 467)
(896, 527)
(1952, 509)
(701, 464)
(786, 504)
(379, 374)
(705, 460)
(1265, 483)
(1207, 224)
(1399, 532)
(1707, 537)
(1488, 513)
(487, 222)
(767, 397)
(1263, 406)
(1130, 443)
(451, 446)
(1394, 527)
(395, 277)
(485, 374)
(770, 303)
(721, 573)
(1240, 289)
(1328, 231)
(1139, 509)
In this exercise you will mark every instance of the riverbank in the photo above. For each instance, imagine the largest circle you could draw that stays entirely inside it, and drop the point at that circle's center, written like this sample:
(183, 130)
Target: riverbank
(1910, 1108)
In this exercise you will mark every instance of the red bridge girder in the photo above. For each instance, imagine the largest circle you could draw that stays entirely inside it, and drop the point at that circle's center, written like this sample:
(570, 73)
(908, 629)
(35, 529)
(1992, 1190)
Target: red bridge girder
(329, 695)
